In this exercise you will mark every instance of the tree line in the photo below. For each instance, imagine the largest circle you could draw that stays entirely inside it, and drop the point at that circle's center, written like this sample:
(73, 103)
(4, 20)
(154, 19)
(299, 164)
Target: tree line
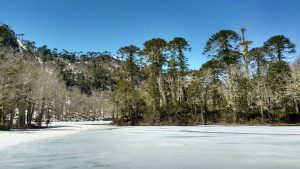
(238, 84)
(152, 85)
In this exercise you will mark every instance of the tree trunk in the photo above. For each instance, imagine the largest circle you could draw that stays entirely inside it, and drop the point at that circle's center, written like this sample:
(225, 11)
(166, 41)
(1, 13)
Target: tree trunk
(195, 107)
(205, 107)
(173, 89)
(246, 66)
(245, 54)
(297, 106)
(22, 116)
(279, 54)
(2, 118)
(162, 91)
(40, 118)
(258, 69)
(30, 111)
(202, 116)
(131, 79)
(285, 110)
(48, 116)
(262, 114)
(270, 108)
(182, 89)
(12, 116)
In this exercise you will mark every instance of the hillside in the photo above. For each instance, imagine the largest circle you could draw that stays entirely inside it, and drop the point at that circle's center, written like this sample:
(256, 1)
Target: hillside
(57, 85)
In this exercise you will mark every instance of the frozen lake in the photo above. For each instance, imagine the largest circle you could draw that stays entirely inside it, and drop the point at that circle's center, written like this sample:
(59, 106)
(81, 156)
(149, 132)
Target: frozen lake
(201, 147)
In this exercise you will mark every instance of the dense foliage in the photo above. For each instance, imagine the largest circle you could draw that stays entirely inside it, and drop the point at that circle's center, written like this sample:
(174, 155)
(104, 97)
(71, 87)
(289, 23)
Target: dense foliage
(151, 85)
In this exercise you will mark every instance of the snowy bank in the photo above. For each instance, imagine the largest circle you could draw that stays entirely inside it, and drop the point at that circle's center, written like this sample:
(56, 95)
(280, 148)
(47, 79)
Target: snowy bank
(55, 129)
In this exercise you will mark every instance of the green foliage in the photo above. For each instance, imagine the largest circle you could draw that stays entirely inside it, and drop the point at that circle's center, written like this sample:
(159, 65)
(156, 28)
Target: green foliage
(278, 76)
(128, 102)
(177, 48)
(258, 56)
(100, 78)
(154, 51)
(130, 67)
(243, 90)
(278, 45)
(228, 117)
(71, 56)
(69, 78)
(153, 84)
(214, 67)
(151, 88)
(44, 53)
(223, 46)
(84, 83)
(8, 37)
(181, 112)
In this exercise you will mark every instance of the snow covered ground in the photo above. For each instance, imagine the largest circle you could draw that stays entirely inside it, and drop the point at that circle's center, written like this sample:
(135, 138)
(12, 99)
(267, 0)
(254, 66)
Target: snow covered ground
(56, 129)
(156, 147)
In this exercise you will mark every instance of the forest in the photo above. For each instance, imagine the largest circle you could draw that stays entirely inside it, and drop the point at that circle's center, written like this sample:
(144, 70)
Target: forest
(152, 84)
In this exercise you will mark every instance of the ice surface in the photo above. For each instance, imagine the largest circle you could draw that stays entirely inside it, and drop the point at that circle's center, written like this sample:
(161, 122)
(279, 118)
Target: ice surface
(199, 147)
(56, 129)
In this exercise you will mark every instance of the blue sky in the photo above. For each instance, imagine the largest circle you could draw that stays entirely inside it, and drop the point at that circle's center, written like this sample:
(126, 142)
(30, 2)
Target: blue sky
(107, 25)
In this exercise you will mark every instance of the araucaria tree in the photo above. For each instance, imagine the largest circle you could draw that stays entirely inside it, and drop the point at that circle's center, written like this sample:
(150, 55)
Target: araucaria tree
(223, 46)
(277, 46)
(129, 53)
(178, 61)
(154, 50)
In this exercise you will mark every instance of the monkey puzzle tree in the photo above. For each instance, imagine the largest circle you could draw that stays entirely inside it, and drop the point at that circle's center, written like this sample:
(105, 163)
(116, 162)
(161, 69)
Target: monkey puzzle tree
(154, 51)
(223, 46)
(129, 54)
(177, 48)
(258, 56)
(278, 45)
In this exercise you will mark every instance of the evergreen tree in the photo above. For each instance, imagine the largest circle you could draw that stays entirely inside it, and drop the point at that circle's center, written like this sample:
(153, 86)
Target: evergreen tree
(278, 78)
(223, 46)
(258, 56)
(177, 48)
(278, 45)
(154, 51)
(129, 55)
(8, 37)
